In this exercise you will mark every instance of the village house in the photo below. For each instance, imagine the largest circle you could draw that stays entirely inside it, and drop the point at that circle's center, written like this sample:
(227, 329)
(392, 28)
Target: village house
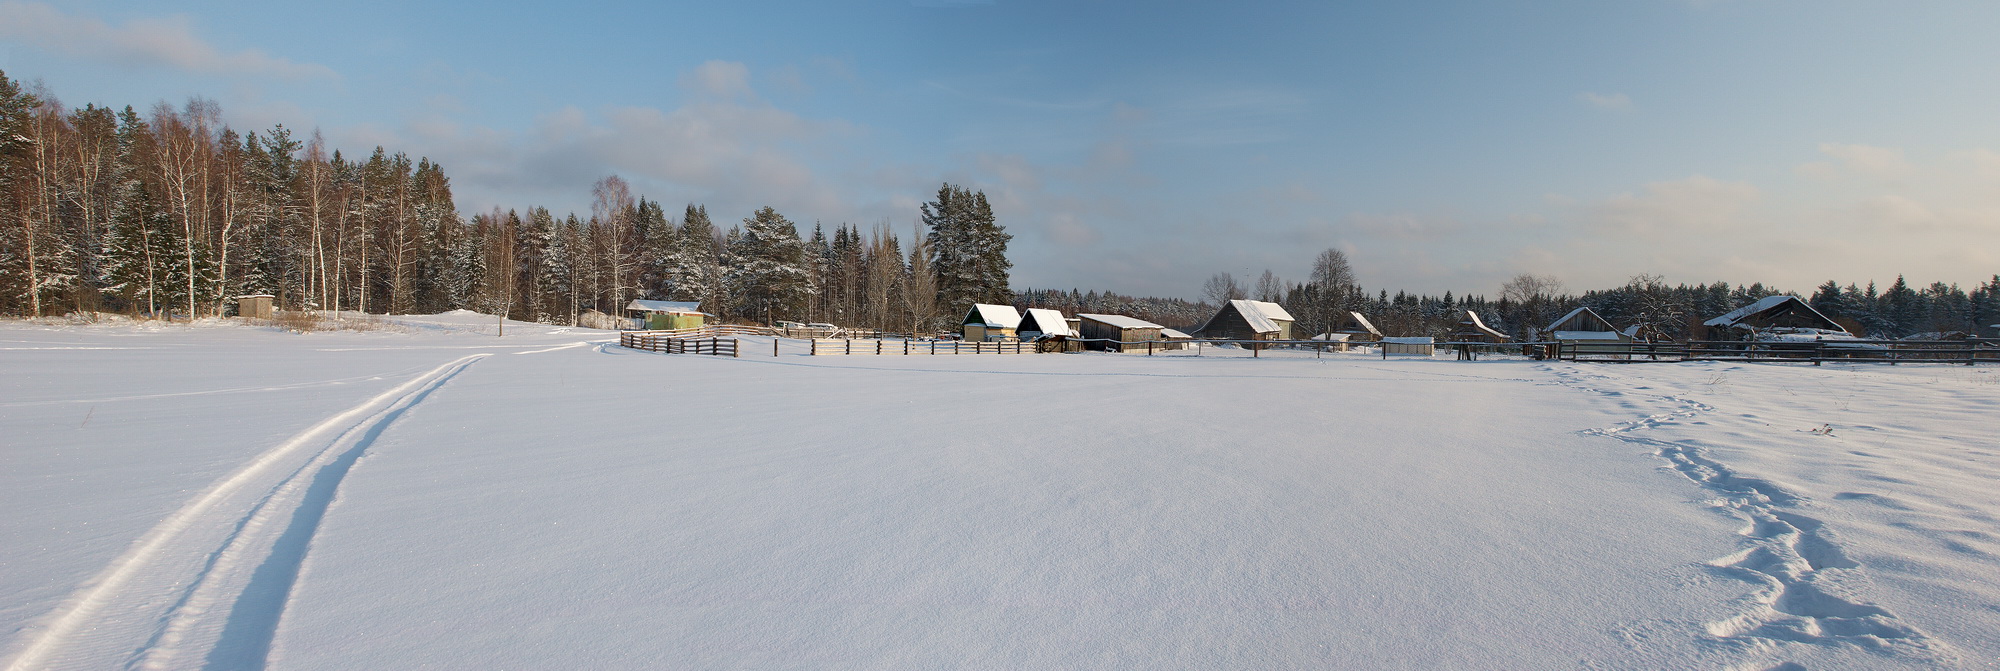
(988, 322)
(665, 315)
(1248, 320)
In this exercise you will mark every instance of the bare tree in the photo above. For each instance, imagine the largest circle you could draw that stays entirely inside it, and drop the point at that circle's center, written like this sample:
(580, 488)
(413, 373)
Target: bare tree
(1527, 287)
(920, 290)
(1270, 289)
(611, 207)
(1221, 288)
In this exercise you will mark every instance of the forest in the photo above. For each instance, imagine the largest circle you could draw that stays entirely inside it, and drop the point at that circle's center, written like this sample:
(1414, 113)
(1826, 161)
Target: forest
(171, 213)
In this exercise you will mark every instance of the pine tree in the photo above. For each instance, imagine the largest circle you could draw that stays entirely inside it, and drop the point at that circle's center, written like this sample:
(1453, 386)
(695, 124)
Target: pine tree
(693, 272)
(969, 249)
(770, 273)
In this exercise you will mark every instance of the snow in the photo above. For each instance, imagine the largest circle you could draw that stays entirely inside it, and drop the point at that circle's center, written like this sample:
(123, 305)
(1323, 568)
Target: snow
(994, 316)
(1171, 334)
(1121, 321)
(1612, 336)
(1337, 337)
(1050, 322)
(431, 495)
(1260, 313)
(671, 307)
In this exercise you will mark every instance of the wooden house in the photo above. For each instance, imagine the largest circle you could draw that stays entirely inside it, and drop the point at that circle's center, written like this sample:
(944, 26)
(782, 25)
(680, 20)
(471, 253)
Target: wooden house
(1774, 315)
(1132, 333)
(1473, 329)
(1584, 325)
(666, 315)
(1358, 328)
(1248, 320)
(988, 322)
(255, 306)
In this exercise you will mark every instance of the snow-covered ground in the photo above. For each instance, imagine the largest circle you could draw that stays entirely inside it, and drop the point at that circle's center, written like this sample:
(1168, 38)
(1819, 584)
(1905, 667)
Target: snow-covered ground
(431, 495)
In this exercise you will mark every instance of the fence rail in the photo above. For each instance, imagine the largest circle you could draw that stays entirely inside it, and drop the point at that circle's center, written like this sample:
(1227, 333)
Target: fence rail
(843, 347)
(1966, 352)
(653, 341)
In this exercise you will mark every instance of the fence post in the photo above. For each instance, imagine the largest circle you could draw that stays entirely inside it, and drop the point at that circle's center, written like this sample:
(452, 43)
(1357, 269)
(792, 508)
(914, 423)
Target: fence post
(1254, 349)
(774, 345)
(1149, 348)
(815, 346)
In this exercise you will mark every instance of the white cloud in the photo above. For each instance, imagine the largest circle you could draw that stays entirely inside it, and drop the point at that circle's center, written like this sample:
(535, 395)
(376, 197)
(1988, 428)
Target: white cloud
(1698, 203)
(1858, 159)
(721, 79)
(169, 42)
(1606, 101)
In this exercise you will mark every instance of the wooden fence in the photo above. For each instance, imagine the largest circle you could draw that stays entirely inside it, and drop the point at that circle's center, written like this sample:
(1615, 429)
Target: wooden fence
(653, 341)
(1966, 352)
(836, 346)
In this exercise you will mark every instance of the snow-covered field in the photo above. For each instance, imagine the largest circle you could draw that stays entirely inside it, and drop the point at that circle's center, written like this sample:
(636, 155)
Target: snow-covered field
(433, 496)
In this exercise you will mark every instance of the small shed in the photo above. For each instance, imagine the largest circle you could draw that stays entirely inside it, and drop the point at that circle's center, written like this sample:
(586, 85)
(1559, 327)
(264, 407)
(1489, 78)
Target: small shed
(1131, 330)
(986, 321)
(1044, 323)
(1174, 340)
(1777, 315)
(1473, 329)
(666, 315)
(1410, 345)
(1248, 320)
(1336, 342)
(255, 306)
(1584, 325)
(1358, 328)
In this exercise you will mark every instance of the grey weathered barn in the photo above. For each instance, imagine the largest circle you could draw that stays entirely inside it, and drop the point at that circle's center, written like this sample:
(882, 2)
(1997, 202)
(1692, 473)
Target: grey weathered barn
(1774, 314)
(1248, 320)
(1131, 332)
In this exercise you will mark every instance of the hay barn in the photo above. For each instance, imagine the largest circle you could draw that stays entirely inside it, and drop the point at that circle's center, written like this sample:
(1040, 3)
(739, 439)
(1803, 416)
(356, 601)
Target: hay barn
(1248, 320)
(1131, 332)
(986, 321)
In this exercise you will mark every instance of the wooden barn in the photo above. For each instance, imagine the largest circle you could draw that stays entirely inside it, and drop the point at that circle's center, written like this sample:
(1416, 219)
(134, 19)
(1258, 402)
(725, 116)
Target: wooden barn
(988, 322)
(1248, 320)
(1132, 331)
(1174, 340)
(1584, 325)
(1358, 328)
(1044, 323)
(1473, 329)
(1332, 342)
(666, 315)
(1774, 315)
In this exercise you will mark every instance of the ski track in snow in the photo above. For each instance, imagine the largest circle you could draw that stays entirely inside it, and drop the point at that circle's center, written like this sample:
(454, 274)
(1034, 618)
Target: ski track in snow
(1795, 565)
(207, 586)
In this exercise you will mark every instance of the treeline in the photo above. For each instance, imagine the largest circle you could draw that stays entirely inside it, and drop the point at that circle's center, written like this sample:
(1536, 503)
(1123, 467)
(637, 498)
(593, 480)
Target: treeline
(1529, 303)
(173, 213)
(1169, 312)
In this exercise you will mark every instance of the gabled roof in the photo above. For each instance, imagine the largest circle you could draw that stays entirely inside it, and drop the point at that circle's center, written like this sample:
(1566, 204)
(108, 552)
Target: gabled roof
(1473, 324)
(1171, 334)
(1047, 322)
(993, 316)
(1262, 316)
(670, 307)
(1363, 324)
(1121, 321)
(1335, 337)
(1779, 311)
(1581, 319)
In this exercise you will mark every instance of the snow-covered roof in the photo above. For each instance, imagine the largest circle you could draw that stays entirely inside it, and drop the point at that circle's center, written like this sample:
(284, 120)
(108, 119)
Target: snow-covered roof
(1773, 306)
(673, 307)
(1261, 315)
(1121, 321)
(1047, 322)
(993, 316)
(1581, 319)
(1171, 334)
(255, 296)
(1365, 324)
(1410, 340)
(1472, 320)
(1336, 337)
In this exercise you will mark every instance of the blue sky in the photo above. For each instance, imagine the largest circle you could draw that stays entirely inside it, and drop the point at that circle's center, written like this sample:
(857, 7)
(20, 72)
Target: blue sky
(1142, 146)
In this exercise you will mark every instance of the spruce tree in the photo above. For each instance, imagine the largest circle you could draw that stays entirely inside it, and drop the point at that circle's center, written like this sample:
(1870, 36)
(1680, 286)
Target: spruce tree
(969, 249)
(769, 271)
